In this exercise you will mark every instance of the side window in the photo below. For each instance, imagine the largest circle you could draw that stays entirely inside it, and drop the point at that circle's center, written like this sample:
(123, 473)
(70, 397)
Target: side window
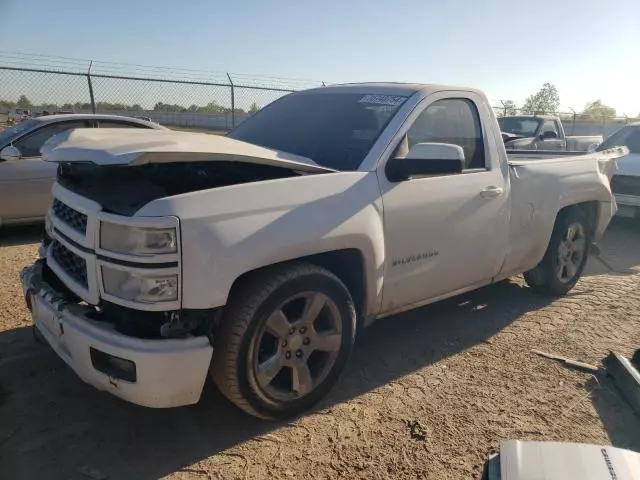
(115, 124)
(30, 145)
(455, 121)
(549, 126)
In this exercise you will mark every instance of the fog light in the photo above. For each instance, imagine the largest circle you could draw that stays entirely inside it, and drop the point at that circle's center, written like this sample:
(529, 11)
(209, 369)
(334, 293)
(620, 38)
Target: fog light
(113, 366)
(141, 288)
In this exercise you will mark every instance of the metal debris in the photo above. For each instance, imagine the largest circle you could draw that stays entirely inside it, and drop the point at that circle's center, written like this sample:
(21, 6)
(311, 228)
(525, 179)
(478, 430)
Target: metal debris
(626, 378)
(584, 367)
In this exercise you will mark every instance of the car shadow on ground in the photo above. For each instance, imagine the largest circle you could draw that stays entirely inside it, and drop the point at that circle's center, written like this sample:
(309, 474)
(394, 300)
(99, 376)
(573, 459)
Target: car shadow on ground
(50, 417)
(620, 251)
(616, 414)
(10, 236)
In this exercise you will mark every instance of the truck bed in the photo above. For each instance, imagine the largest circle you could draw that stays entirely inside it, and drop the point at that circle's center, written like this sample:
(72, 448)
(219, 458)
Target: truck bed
(604, 161)
(520, 155)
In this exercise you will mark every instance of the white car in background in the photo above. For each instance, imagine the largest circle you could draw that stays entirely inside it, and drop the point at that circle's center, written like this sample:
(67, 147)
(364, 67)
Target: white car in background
(25, 180)
(17, 115)
(625, 184)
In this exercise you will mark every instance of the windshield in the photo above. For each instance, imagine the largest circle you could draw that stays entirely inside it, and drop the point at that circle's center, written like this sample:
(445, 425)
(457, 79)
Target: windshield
(8, 135)
(627, 136)
(335, 130)
(520, 126)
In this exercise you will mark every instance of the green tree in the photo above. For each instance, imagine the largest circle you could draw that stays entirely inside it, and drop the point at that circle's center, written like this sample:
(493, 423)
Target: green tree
(24, 102)
(509, 108)
(49, 107)
(166, 107)
(253, 108)
(546, 100)
(211, 107)
(597, 109)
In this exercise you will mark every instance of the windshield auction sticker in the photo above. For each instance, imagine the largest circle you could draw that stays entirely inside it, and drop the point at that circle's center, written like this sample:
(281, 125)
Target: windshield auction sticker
(393, 100)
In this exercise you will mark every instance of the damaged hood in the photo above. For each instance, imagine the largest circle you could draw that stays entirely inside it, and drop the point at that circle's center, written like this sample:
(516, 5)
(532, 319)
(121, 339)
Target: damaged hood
(124, 146)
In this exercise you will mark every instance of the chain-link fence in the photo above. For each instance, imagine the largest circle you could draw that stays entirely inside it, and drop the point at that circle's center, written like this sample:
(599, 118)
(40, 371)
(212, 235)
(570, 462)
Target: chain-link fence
(186, 103)
(188, 99)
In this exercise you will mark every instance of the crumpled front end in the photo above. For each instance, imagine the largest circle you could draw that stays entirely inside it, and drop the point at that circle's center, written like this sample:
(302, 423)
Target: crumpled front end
(110, 309)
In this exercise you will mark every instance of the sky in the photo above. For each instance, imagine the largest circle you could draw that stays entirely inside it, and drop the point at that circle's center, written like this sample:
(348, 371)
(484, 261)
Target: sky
(588, 49)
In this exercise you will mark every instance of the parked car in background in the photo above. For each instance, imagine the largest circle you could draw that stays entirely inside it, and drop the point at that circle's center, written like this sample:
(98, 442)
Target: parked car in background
(626, 181)
(325, 210)
(146, 119)
(542, 132)
(25, 180)
(17, 115)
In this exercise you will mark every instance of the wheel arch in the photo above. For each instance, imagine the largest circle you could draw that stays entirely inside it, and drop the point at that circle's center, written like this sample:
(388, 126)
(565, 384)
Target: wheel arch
(590, 210)
(346, 264)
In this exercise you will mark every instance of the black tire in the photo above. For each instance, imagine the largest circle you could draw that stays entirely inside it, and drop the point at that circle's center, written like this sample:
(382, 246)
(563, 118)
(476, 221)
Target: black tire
(544, 278)
(251, 305)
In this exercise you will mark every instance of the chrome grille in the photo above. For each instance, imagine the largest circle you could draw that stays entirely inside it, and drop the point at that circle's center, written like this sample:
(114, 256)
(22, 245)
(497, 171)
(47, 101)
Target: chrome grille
(625, 185)
(72, 264)
(73, 218)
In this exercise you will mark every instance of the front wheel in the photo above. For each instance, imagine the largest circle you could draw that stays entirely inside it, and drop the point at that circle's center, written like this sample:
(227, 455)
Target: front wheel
(286, 336)
(565, 258)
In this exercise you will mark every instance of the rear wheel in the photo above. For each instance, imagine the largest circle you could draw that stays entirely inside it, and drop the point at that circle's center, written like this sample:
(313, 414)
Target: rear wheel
(565, 258)
(285, 338)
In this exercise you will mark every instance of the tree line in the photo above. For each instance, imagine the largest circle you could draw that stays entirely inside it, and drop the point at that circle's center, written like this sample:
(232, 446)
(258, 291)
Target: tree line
(211, 107)
(547, 101)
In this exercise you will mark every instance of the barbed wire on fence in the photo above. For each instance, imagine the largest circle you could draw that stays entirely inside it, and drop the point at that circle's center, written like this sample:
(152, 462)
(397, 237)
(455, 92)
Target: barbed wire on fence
(58, 63)
(171, 96)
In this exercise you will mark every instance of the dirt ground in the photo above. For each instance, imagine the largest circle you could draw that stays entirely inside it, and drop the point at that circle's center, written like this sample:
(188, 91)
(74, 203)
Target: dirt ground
(427, 394)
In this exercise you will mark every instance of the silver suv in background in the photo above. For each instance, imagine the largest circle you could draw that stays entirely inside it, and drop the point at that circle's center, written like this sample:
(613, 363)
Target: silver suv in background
(26, 180)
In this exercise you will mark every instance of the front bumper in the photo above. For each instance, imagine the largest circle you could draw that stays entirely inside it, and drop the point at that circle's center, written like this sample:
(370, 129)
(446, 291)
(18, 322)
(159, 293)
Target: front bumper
(166, 373)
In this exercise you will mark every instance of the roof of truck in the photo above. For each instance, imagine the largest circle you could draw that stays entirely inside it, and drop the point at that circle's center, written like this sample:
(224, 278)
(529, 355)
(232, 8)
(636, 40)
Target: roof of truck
(387, 88)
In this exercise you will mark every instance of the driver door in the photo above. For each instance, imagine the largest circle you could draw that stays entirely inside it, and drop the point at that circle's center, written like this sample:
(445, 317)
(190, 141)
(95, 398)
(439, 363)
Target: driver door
(550, 128)
(445, 233)
(25, 183)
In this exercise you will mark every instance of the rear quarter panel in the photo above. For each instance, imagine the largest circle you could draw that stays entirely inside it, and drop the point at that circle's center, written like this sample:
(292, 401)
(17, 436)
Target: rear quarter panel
(540, 189)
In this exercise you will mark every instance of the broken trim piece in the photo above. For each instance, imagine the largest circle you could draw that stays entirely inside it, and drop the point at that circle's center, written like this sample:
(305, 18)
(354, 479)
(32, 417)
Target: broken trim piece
(626, 378)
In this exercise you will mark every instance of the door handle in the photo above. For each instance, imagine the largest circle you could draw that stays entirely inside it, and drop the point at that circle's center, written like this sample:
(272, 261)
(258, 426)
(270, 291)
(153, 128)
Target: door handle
(492, 192)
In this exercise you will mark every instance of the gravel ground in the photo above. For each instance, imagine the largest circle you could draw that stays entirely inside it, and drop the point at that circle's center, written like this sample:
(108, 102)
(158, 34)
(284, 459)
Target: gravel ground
(428, 394)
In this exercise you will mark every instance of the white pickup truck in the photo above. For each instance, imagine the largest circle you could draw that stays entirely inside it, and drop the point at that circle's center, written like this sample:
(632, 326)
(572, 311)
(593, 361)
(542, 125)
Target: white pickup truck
(543, 132)
(257, 257)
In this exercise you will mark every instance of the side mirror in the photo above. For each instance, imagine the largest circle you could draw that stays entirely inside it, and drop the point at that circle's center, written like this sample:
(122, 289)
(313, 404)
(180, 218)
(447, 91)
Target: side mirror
(426, 159)
(10, 153)
(548, 135)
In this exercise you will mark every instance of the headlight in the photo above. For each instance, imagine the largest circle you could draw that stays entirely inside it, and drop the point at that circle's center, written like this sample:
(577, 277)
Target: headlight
(147, 288)
(137, 240)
